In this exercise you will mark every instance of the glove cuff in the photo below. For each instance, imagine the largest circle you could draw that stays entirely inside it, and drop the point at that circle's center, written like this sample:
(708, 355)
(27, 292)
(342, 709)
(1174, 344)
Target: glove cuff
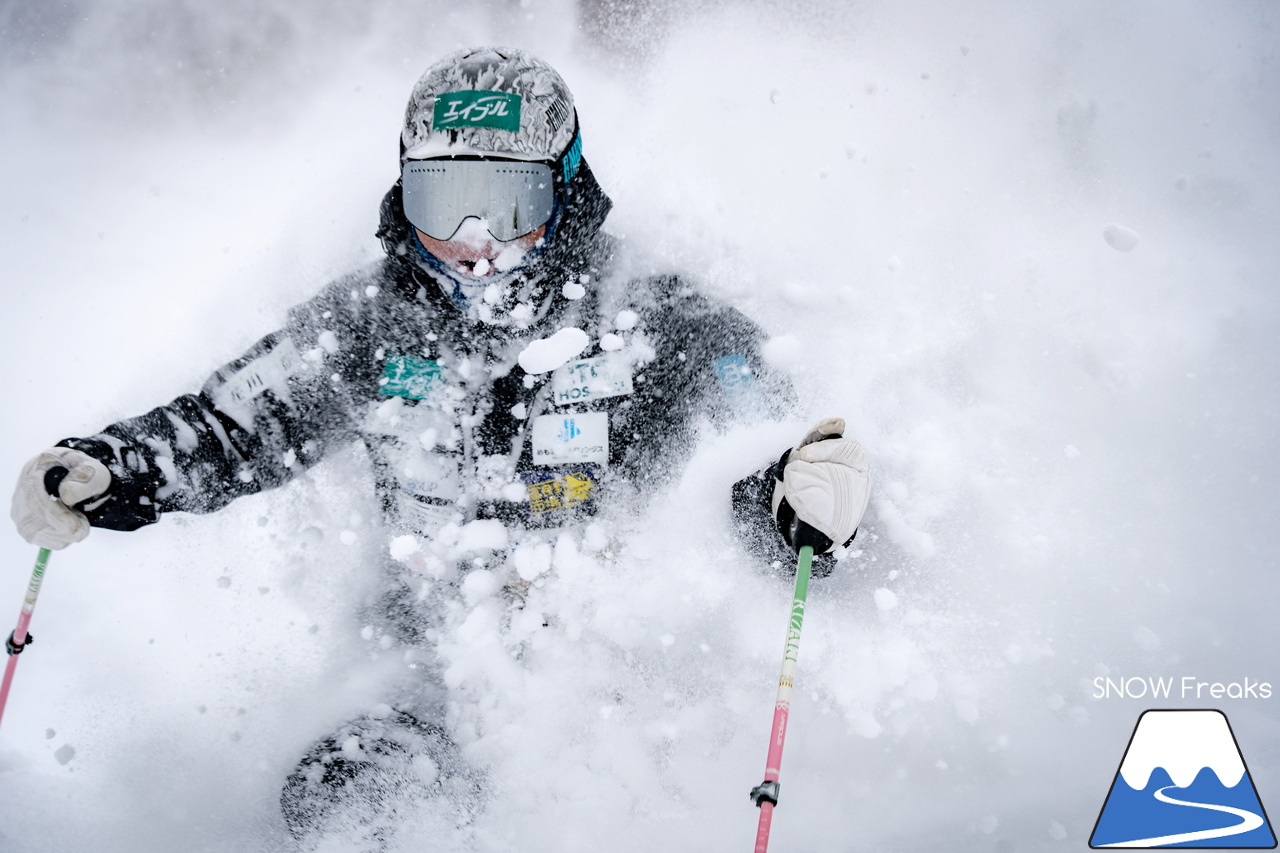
(130, 502)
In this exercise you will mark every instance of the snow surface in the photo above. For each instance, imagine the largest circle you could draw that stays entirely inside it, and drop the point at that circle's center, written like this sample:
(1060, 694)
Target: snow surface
(913, 198)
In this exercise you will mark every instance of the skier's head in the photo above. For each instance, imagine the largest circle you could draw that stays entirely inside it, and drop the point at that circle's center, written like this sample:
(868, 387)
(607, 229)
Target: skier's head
(489, 146)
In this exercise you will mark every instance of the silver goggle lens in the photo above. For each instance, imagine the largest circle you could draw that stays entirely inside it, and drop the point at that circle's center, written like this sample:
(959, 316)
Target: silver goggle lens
(514, 198)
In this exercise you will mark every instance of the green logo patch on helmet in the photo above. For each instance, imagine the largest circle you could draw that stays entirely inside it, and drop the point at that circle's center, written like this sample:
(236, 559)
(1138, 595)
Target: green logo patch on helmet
(472, 108)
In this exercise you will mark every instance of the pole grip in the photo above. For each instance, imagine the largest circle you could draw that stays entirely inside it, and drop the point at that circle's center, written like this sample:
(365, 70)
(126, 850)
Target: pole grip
(53, 479)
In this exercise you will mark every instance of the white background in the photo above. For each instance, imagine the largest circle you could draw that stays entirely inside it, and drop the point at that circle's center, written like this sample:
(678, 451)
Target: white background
(1074, 447)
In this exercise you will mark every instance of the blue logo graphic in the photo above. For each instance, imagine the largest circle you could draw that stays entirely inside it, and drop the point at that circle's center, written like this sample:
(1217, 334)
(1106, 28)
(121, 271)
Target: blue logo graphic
(1183, 783)
(738, 385)
(569, 431)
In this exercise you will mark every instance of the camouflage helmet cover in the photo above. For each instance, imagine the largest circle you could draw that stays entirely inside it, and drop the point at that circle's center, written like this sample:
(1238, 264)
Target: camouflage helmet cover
(538, 94)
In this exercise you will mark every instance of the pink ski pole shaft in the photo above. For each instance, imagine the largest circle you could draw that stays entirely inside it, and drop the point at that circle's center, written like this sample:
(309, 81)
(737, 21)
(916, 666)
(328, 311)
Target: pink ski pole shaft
(19, 639)
(766, 793)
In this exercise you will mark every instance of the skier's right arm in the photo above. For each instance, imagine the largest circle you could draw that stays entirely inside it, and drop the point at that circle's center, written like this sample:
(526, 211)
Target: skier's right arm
(256, 423)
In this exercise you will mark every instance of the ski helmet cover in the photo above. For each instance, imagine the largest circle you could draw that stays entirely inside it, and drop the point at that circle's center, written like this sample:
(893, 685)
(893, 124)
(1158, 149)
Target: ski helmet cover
(469, 116)
(495, 101)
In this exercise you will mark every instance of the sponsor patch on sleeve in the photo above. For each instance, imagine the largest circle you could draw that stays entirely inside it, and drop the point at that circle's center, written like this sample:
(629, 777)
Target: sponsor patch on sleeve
(269, 371)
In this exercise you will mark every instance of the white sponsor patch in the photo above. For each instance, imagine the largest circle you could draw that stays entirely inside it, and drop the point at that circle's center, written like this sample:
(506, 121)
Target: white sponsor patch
(607, 375)
(434, 476)
(410, 423)
(429, 486)
(270, 371)
(422, 518)
(571, 437)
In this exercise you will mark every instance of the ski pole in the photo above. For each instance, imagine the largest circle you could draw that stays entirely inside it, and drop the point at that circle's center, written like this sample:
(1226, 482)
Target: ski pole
(766, 793)
(20, 639)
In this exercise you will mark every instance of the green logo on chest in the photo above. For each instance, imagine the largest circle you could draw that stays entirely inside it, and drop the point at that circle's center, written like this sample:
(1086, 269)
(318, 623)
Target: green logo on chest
(411, 378)
(471, 108)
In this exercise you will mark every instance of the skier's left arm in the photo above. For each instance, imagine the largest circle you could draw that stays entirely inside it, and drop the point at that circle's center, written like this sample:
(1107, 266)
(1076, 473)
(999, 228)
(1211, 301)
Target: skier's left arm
(709, 367)
(817, 492)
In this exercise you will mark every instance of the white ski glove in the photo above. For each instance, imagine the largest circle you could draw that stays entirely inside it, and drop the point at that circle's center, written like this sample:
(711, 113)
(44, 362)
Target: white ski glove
(53, 521)
(822, 489)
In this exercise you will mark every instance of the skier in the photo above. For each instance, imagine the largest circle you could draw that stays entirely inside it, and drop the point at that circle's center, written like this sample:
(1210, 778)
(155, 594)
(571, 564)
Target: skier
(499, 365)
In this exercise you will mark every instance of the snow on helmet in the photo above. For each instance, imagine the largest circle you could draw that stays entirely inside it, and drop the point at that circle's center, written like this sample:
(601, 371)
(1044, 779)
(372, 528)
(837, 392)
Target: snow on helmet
(492, 100)
(488, 104)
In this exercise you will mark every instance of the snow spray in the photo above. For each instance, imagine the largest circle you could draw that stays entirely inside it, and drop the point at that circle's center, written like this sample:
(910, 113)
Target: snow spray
(19, 639)
(766, 793)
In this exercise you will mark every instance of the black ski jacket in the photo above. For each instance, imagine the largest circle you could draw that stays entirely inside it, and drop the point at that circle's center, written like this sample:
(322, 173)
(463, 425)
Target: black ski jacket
(452, 420)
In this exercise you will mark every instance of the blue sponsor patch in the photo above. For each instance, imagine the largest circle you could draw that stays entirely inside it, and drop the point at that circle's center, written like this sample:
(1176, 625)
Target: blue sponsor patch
(572, 157)
(738, 384)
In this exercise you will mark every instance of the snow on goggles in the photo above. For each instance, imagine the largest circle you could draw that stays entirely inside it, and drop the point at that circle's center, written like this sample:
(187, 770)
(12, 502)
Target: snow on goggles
(512, 197)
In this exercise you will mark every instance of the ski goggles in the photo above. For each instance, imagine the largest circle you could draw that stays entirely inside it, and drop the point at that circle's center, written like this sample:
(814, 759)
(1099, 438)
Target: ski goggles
(512, 197)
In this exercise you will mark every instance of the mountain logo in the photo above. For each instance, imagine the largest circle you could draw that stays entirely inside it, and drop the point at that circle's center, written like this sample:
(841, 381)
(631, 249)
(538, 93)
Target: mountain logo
(1183, 783)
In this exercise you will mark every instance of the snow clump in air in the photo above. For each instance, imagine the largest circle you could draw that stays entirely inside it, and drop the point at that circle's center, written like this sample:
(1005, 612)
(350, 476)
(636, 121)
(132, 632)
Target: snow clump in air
(507, 260)
(1146, 638)
(783, 351)
(546, 354)
(886, 599)
(404, 547)
(484, 535)
(1120, 238)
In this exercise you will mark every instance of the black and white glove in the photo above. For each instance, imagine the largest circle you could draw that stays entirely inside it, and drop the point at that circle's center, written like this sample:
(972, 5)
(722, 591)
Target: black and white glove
(54, 492)
(821, 488)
